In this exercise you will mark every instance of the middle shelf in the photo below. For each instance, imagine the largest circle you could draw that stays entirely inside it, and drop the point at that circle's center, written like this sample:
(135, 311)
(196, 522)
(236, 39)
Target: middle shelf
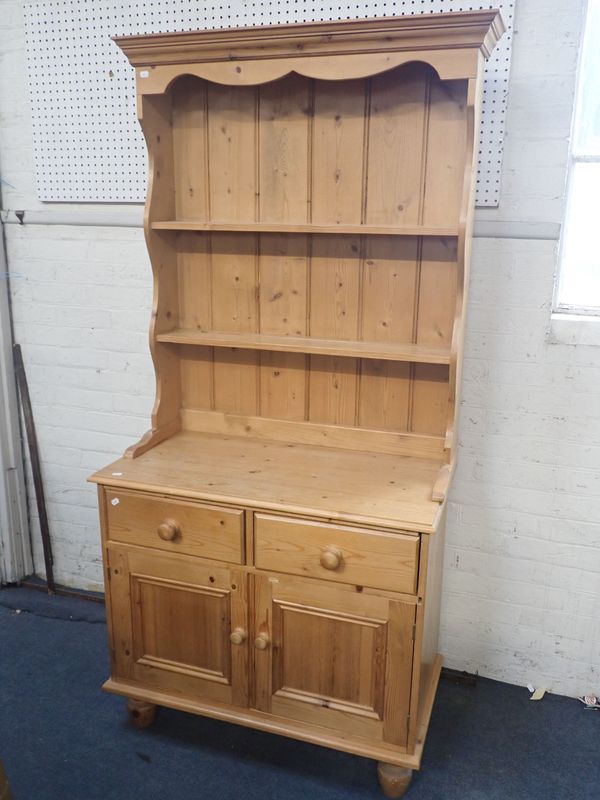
(289, 227)
(386, 351)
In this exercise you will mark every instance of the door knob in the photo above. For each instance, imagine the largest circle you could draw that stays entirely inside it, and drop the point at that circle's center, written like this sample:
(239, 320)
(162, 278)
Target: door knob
(237, 636)
(262, 641)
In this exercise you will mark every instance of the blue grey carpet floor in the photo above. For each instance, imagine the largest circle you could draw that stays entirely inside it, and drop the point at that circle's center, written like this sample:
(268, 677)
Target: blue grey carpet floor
(61, 738)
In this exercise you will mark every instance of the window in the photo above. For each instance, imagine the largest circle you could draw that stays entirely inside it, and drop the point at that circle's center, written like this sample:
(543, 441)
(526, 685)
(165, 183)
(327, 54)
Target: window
(579, 284)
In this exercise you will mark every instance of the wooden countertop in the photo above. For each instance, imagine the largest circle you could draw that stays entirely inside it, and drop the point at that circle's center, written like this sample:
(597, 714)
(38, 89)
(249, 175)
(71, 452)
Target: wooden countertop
(368, 488)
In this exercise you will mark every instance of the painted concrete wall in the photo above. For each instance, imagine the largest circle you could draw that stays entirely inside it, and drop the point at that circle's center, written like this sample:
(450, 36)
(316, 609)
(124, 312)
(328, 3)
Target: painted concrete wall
(522, 581)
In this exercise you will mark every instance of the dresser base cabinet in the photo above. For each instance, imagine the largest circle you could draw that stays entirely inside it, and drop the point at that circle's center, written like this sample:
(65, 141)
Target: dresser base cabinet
(273, 544)
(329, 661)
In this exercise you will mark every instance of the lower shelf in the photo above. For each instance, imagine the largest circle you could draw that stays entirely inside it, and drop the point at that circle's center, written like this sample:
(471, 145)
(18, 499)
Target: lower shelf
(323, 737)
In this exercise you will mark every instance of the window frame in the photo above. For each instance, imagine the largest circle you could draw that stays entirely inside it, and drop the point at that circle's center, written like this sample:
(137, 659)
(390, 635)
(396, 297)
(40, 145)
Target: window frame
(575, 157)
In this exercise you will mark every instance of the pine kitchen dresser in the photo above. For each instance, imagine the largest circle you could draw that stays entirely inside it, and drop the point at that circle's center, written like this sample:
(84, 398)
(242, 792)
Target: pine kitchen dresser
(273, 545)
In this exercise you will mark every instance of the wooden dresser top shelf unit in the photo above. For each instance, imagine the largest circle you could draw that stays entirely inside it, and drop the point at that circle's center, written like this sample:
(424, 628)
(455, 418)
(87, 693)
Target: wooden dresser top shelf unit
(370, 488)
(308, 220)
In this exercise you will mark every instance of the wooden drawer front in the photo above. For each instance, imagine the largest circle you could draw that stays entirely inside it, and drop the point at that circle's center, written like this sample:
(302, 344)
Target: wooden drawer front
(337, 553)
(175, 526)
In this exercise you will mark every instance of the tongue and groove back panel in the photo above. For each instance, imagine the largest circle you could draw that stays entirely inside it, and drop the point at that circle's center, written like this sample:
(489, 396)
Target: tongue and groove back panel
(386, 151)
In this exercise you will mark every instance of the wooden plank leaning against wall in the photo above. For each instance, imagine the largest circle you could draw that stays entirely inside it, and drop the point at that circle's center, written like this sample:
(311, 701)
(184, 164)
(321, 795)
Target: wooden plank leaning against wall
(310, 254)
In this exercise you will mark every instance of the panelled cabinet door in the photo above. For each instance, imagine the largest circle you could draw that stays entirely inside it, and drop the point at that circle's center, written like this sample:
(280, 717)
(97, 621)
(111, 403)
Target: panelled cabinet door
(334, 657)
(179, 625)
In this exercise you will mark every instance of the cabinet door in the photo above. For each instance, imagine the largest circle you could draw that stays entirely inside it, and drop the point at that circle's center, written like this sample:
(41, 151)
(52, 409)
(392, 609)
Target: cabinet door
(334, 657)
(179, 624)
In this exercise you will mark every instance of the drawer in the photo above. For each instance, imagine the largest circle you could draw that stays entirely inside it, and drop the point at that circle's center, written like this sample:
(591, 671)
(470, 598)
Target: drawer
(337, 552)
(175, 525)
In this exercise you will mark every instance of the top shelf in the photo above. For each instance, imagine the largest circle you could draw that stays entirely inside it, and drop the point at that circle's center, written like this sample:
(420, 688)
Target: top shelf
(285, 227)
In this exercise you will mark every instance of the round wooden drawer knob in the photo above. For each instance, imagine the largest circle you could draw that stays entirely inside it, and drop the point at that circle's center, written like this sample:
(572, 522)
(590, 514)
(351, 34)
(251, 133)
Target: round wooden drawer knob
(237, 636)
(331, 557)
(168, 530)
(262, 641)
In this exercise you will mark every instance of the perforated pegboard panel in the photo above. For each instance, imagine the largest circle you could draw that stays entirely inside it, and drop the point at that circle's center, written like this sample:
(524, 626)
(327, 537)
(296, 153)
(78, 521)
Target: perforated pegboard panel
(88, 145)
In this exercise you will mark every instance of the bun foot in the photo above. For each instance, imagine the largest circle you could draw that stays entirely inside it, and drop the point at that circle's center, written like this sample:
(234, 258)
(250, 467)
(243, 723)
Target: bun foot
(394, 781)
(141, 714)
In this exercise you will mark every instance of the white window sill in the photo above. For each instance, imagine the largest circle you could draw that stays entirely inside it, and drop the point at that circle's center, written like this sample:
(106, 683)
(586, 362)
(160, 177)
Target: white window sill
(574, 329)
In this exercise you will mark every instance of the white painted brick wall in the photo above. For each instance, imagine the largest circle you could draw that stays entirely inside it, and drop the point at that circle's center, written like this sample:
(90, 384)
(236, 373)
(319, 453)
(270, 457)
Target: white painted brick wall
(522, 581)
(81, 303)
